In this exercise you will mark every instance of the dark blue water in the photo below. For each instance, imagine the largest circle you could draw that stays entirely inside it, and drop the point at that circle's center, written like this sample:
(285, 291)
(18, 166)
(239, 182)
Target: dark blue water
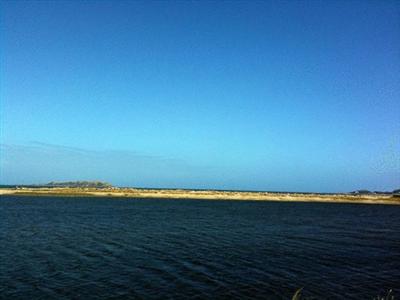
(89, 248)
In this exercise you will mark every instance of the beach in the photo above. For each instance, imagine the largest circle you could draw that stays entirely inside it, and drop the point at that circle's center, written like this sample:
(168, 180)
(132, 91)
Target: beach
(204, 195)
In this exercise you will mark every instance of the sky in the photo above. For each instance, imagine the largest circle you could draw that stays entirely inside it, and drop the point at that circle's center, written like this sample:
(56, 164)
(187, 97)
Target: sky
(245, 95)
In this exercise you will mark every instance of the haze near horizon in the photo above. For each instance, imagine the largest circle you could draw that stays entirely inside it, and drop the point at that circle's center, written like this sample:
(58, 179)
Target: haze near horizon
(274, 95)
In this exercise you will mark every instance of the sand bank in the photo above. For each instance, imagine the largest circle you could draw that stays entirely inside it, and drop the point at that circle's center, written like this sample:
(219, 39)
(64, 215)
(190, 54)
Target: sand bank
(204, 194)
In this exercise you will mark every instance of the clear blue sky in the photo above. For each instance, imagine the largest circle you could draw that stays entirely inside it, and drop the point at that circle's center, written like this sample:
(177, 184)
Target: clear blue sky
(271, 95)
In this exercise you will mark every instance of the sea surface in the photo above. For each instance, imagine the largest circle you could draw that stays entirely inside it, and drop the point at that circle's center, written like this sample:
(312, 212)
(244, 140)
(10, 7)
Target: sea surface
(110, 248)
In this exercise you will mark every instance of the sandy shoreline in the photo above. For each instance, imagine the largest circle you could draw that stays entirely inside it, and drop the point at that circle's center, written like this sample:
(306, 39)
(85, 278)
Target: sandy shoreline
(204, 195)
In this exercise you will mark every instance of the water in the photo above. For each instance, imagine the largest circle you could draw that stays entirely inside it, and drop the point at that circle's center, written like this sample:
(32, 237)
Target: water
(87, 248)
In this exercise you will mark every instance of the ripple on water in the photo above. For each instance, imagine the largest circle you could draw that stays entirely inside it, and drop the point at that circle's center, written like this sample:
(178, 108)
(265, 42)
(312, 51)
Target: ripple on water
(82, 248)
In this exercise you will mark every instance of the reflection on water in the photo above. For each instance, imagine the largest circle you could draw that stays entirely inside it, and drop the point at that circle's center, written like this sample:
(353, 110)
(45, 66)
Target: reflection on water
(85, 248)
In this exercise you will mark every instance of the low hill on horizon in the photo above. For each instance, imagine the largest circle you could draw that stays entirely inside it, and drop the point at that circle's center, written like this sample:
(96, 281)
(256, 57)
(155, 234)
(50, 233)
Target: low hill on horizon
(79, 184)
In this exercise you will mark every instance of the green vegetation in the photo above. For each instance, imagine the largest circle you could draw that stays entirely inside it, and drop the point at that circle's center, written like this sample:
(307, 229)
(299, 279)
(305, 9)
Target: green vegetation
(297, 294)
(389, 296)
(80, 184)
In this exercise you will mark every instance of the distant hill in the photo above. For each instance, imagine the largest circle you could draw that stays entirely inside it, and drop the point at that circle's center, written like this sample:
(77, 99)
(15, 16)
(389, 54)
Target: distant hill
(80, 184)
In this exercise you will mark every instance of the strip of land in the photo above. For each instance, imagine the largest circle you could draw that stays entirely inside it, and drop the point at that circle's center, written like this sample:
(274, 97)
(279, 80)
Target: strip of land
(202, 194)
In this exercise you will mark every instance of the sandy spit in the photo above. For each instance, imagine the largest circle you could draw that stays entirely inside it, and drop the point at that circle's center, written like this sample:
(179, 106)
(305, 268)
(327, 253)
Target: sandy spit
(205, 195)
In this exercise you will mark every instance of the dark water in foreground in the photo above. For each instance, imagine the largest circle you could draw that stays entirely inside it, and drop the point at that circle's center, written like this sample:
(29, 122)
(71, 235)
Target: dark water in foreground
(85, 248)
